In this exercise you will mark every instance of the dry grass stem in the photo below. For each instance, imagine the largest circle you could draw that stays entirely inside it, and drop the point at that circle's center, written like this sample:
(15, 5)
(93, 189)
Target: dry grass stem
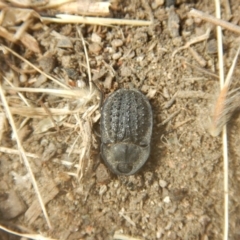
(216, 21)
(84, 156)
(90, 8)
(124, 237)
(35, 112)
(224, 134)
(16, 152)
(202, 62)
(19, 94)
(169, 118)
(87, 59)
(182, 123)
(225, 105)
(73, 93)
(200, 69)
(6, 49)
(23, 154)
(25, 235)
(66, 18)
(51, 3)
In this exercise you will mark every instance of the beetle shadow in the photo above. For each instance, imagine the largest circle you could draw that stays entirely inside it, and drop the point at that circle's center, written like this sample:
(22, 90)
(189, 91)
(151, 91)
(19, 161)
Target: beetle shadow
(157, 147)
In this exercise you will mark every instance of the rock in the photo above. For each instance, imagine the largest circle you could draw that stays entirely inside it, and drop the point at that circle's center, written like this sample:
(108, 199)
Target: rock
(162, 183)
(95, 47)
(117, 43)
(11, 205)
(102, 174)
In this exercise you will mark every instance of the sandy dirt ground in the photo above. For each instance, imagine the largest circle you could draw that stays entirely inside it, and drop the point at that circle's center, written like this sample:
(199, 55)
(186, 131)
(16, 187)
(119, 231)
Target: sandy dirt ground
(178, 194)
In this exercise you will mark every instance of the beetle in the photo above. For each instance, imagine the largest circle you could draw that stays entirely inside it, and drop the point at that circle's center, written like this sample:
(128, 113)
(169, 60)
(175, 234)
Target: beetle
(126, 130)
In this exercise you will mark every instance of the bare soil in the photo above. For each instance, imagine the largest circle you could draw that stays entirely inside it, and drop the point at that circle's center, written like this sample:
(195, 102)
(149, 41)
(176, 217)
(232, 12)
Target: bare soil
(178, 194)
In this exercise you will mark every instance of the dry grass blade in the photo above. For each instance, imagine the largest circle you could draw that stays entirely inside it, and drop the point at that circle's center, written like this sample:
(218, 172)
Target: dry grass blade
(16, 152)
(124, 237)
(23, 154)
(25, 235)
(225, 106)
(87, 7)
(34, 112)
(87, 59)
(224, 134)
(73, 93)
(219, 22)
(66, 18)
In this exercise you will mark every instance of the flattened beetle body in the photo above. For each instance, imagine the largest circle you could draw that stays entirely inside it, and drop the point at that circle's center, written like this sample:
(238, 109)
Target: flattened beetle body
(126, 130)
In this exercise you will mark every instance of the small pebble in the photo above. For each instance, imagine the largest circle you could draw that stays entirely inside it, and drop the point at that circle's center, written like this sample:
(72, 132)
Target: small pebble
(162, 183)
(159, 2)
(167, 199)
(96, 38)
(126, 72)
(108, 81)
(116, 56)
(23, 78)
(102, 174)
(189, 22)
(64, 43)
(47, 62)
(95, 47)
(173, 23)
(212, 46)
(117, 43)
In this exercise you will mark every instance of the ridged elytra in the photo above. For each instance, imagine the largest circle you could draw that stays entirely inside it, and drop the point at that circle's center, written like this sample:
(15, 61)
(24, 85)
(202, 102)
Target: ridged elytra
(126, 130)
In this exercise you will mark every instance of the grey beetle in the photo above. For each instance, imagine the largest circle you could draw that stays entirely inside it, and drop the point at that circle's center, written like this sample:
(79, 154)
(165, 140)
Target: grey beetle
(126, 130)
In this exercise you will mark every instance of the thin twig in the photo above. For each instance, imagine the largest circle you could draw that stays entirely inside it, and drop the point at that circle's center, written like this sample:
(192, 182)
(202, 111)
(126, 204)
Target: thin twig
(66, 18)
(224, 134)
(23, 154)
(25, 235)
(219, 22)
(87, 59)
(169, 118)
(200, 69)
(16, 152)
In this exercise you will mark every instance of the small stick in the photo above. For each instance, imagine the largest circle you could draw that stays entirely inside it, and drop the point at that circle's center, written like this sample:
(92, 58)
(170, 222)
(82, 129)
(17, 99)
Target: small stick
(23, 154)
(123, 237)
(16, 152)
(200, 69)
(224, 134)
(25, 235)
(169, 118)
(169, 103)
(182, 123)
(66, 18)
(87, 59)
(198, 57)
(216, 21)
